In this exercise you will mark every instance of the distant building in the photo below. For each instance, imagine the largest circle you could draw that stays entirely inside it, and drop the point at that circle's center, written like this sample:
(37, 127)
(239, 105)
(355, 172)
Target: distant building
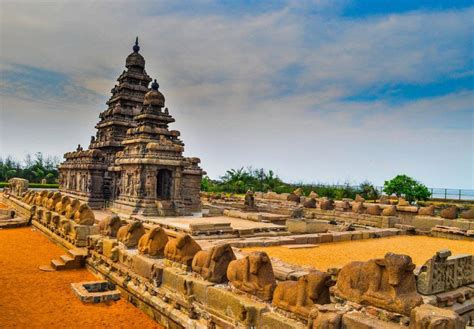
(134, 164)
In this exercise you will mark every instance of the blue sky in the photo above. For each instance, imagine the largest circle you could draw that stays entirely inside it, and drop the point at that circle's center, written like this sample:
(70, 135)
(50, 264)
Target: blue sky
(319, 91)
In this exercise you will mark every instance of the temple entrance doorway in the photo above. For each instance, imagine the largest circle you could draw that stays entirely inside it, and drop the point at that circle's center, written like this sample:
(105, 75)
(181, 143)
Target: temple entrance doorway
(163, 186)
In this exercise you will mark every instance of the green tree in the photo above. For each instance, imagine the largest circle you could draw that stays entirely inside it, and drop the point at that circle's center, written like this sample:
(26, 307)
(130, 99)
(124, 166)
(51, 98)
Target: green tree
(410, 189)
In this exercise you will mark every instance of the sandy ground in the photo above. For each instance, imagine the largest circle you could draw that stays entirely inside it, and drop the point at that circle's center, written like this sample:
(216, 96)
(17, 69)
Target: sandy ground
(337, 254)
(30, 298)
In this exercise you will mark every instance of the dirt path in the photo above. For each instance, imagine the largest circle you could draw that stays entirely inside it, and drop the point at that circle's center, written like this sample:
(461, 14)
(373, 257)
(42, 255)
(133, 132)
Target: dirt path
(327, 255)
(30, 298)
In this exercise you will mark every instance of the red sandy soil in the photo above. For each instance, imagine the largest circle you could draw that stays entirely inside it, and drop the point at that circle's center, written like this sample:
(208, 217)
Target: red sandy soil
(337, 254)
(30, 298)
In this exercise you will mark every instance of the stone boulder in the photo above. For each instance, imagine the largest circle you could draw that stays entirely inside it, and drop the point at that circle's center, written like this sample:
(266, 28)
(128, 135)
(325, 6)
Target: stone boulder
(153, 243)
(212, 264)
(449, 213)
(182, 249)
(387, 283)
(467, 214)
(300, 296)
(427, 211)
(253, 274)
(431, 317)
(373, 209)
(390, 211)
(130, 234)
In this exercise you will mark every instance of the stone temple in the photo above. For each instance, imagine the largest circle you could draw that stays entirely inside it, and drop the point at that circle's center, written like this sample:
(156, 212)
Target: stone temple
(134, 164)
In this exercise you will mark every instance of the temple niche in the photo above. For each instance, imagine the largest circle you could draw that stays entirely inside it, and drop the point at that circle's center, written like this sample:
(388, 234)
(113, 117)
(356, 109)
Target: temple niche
(134, 164)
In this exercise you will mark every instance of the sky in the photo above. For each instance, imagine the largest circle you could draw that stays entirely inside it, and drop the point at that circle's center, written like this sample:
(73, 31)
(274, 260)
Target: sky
(319, 91)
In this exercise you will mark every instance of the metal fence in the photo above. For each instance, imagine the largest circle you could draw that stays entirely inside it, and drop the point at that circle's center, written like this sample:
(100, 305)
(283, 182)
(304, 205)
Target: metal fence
(446, 193)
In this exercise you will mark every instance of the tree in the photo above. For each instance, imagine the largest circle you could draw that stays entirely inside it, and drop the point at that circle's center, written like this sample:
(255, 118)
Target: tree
(405, 186)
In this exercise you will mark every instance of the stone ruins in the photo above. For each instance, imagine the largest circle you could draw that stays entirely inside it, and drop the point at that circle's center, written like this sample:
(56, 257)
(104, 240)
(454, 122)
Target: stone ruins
(134, 164)
(129, 208)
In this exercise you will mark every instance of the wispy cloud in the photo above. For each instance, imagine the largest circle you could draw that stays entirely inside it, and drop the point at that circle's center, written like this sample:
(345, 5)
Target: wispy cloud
(317, 90)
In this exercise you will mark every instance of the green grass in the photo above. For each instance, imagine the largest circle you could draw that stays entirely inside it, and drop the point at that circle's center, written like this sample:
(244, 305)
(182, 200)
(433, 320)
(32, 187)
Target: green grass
(33, 185)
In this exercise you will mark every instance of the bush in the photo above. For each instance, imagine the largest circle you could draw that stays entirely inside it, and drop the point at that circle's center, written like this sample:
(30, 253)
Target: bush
(34, 185)
(405, 186)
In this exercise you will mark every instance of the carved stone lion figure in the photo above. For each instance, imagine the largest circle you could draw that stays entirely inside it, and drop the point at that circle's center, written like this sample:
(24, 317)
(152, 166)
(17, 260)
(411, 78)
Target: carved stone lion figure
(110, 225)
(427, 211)
(71, 209)
(299, 296)
(84, 215)
(182, 249)
(130, 234)
(388, 283)
(51, 204)
(212, 264)
(253, 274)
(60, 207)
(153, 243)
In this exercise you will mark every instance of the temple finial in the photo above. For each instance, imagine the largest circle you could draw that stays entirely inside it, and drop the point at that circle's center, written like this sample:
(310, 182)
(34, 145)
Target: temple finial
(155, 85)
(136, 47)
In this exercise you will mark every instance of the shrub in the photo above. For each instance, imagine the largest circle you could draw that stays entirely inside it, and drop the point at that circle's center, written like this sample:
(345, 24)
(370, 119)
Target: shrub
(405, 186)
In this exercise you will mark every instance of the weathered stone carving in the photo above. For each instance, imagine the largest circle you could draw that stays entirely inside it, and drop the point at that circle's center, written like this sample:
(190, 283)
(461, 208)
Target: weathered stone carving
(253, 274)
(30, 195)
(430, 317)
(468, 214)
(249, 201)
(403, 202)
(326, 204)
(181, 249)
(358, 207)
(449, 213)
(298, 192)
(17, 186)
(44, 201)
(325, 317)
(359, 198)
(310, 203)
(71, 209)
(388, 283)
(427, 211)
(212, 264)
(51, 205)
(373, 209)
(299, 296)
(293, 198)
(153, 243)
(84, 215)
(130, 234)
(61, 206)
(39, 197)
(384, 200)
(110, 225)
(444, 272)
(313, 195)
(389, 211)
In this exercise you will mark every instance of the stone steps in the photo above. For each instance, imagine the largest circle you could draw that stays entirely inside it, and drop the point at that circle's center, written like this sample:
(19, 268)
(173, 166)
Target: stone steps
(75, 258)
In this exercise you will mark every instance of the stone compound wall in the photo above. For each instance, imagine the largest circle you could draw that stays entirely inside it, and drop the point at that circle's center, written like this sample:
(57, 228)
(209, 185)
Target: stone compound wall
(178, 297)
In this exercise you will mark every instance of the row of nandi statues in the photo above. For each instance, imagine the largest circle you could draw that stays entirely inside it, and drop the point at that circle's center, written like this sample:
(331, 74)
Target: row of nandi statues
(388, 283)
(60, 213)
